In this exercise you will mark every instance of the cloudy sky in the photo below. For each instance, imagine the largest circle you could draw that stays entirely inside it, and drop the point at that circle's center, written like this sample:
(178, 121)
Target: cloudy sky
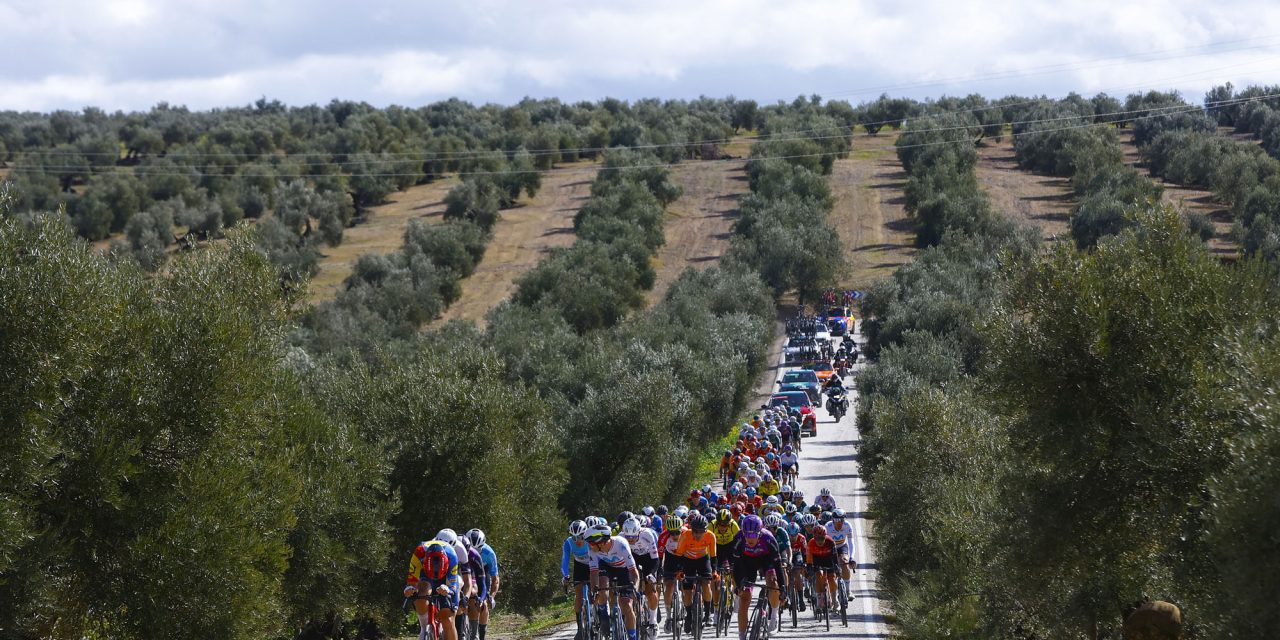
(131, 54)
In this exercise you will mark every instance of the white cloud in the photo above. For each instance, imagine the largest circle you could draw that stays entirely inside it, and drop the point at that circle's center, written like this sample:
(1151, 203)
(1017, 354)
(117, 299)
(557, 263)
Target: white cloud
(205, 53)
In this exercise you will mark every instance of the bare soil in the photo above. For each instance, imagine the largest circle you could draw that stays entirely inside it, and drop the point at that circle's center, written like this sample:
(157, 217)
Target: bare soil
(877, 234)
(1044, 201)
(699, 224)
(520, 239)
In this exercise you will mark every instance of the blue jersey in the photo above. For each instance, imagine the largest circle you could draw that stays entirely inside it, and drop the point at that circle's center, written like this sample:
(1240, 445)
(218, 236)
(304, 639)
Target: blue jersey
(490, 560)
(420, 553)
(578, 549)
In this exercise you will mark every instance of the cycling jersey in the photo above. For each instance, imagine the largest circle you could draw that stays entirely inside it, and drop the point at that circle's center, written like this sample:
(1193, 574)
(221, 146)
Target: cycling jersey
(789, 460)
(617, 556)
(645, 544)
(724, 533)
(763, 545)
(828, 503)
(769, 488)
(420, 553)
(771, 509)
(841, 537)
(476, 568)
(490, 560)
(694, 545)
(578, 550)
(667, 542)
(824, 551)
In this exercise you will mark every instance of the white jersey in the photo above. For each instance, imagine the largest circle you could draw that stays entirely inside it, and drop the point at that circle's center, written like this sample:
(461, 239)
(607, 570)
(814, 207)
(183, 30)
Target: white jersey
(788, 459)
(842, 537)
(618, 556)
(645, 544)
(828, 503)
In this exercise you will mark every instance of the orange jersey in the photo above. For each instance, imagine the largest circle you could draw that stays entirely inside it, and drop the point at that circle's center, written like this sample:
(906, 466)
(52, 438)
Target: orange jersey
(694, 545)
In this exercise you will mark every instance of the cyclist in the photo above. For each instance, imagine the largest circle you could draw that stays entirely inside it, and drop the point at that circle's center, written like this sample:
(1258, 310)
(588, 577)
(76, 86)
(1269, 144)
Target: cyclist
(611, 559)
(433, 570)
(575, 546)
(698, 549)
(820, 555)
(479, 594)
(726, 462)
(797, 498)
(771, 507)
(841, 533)
(825, 501)
(494, 580)
(644, 546)
(668, 542)
(659, 517)
(450, 537)
(768, 486)
(789, 461)
(798, 546)
(755, 551)
(775, 525)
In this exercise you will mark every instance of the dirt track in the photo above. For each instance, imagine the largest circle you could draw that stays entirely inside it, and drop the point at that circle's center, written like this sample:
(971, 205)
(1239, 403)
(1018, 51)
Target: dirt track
(1044, 201)
(520, 239)
(875, 230)
(698, 224)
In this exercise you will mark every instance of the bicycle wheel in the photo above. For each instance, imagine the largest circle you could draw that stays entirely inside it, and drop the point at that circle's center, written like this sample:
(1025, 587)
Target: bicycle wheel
(758, 629)
(826, 609)
(695, 612)
(722, 608)
(844, 603)
(792, 599)
(677, 623)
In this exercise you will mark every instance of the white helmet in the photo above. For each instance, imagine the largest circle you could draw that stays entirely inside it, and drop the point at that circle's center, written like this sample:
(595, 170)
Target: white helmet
(648, 511)
(578, 529)
(786, 488)
(447, 535)
(706, 488)
(772, 500)
(825, 492)
(681, 511)
(631, 528)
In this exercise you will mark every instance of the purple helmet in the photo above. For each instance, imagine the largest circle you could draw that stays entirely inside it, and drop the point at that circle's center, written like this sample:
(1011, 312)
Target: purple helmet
(751, 525)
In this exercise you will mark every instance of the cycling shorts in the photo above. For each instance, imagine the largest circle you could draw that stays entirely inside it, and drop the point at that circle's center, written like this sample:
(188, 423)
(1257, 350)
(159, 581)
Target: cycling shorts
(647, 565)
(671, 565)
(581, 572)
(427, 589)
(747, 569)
(623, 577)
(724, 554)
(826, 563)
(696, 567)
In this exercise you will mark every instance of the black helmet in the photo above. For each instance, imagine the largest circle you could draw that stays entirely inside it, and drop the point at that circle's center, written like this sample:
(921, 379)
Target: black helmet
(625, 516)
(697, 522)
(661, 510)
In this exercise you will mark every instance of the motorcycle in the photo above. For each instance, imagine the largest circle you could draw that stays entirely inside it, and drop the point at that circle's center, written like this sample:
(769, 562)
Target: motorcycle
(841, 366)
(837, 403)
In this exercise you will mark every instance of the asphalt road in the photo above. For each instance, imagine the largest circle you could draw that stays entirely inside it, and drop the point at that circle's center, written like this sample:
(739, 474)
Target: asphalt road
(830, 460)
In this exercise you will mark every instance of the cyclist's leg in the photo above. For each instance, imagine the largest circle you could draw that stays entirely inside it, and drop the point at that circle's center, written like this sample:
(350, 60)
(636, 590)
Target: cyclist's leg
(447, 612)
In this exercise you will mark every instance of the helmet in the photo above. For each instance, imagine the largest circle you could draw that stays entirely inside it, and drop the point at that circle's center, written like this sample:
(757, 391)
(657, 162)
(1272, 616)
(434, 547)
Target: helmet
(661, 510)
(703, 503)
(791, 508)
(706, 488)
(786, 488)
(810, 520)
(447, 535)
(695, 494)
(673, 523)
(769, 456)
(697, 523)
(825, 492)
(799, 494)
(723, 516)
(648, 511)
(726, 453)
(838, 514)
(577, 529)
(751, 492)
(681, 511)
(435, 565)
(735, 509)
(825, 517)
(752, 473)
(815, 509)
(476, 538)
(599, 533)
(772, 500)
(773, 521)
(593, 521)
(793, 528)
(625, 516)
(466, 544)
(631, 528)
(768, 476)
(751, 525)
(786, 448)
(733, 490)
(759, 459)
(819, 533)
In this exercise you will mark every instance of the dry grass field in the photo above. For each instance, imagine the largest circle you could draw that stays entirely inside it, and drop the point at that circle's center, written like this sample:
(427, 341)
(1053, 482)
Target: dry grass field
(1044, 201)
(874, 228)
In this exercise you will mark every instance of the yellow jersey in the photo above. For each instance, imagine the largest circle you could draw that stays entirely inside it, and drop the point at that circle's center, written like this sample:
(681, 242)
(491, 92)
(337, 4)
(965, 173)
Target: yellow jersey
(724, 533)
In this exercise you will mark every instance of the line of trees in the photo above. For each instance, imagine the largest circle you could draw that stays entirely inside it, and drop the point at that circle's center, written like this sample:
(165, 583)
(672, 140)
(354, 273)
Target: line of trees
(1052, 438)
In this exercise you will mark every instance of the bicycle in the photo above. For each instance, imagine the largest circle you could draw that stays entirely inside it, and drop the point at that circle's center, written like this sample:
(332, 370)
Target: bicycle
(675, 614)
(435, 602)
(646, 629)
(761, 614)
(586, 618)
(695, 611)
(617, 624)
(724, 601)
(843, 595)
